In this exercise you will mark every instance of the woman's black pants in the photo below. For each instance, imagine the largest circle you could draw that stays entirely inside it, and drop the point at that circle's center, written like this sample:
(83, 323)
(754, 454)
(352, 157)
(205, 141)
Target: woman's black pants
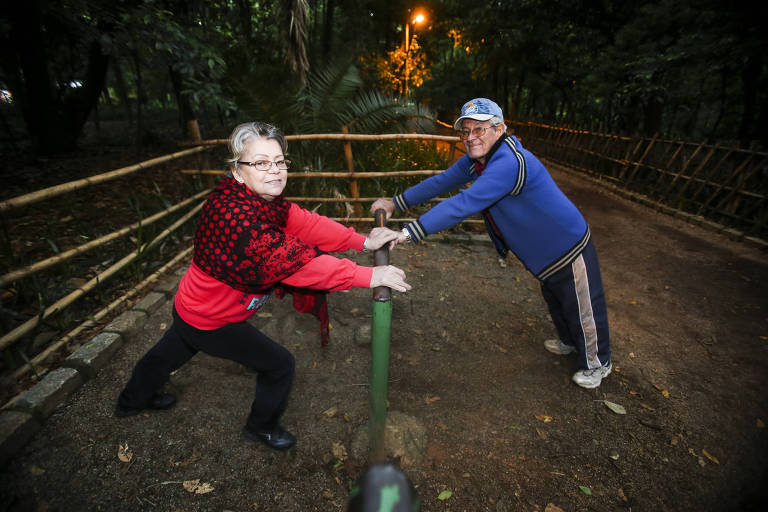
(239, 342)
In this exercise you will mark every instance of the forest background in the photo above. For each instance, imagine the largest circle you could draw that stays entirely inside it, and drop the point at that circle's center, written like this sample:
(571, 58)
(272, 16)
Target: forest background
(691, 69)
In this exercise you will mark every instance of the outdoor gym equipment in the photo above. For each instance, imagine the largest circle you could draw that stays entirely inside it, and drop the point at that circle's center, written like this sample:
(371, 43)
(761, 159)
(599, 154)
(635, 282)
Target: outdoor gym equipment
(380, 332)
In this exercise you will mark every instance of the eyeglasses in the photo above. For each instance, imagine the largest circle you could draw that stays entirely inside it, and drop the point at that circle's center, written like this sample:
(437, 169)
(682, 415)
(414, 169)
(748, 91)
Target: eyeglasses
(265, 165)
(477, 131)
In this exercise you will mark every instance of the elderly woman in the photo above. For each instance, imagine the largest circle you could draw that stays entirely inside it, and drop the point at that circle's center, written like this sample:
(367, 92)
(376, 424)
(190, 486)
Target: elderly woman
(250, 240)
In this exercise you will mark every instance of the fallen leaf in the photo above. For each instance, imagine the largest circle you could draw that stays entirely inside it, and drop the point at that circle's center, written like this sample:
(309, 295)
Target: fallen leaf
(195, 487)
(623, 496)
(665, 393)
(190, 485)
(544, 418)
(124, 453)
(429, 400)
(633, 302)
(339, 451)
(330, 413)
(552, 508)
(760, 423)
(542, 434)
(445, 495)
(264, 315)
(646, 406)
(204, 488)
(618, 409)
(586, 490)
(709, 456)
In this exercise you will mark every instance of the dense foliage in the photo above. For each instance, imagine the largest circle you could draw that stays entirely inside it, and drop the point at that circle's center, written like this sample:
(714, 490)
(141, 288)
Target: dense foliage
(684, 68)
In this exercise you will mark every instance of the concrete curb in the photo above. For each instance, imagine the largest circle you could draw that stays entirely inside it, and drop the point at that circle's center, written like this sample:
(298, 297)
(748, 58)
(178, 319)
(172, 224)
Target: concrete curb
(26, 415)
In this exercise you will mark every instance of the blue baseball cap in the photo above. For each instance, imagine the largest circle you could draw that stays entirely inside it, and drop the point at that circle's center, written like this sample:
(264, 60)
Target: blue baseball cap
(479, 109)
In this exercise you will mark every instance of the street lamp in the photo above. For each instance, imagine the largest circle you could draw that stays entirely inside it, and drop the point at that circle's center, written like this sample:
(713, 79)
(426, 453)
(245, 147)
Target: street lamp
(419, 18)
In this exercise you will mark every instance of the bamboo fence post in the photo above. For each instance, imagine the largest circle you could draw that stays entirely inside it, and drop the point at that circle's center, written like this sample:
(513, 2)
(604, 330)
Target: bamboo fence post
(677, 175)
(353, 190)
(193, 133)
(731, 202)
(695, 172)
(46, 263)
(710, 175)
(667, 166)
(628, 156)
(14, 335)
(722, 185)
(639, 163)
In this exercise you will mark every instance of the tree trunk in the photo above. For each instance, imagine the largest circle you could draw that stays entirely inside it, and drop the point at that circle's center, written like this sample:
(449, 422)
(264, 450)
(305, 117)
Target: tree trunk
(186, 112)
(328, 29)
(750, 77)
(652, 117)
(54, 121)
(122, 90)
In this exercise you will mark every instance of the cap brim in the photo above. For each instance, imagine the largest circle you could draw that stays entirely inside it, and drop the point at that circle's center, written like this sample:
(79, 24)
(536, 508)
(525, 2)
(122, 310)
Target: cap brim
(476, 117)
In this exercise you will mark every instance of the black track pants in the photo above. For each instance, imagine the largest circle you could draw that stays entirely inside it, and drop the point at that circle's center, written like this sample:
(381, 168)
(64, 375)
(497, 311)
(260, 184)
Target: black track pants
(239, 342)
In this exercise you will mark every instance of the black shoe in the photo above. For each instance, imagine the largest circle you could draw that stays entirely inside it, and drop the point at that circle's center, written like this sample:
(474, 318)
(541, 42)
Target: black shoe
(159, 401)
(278, 438)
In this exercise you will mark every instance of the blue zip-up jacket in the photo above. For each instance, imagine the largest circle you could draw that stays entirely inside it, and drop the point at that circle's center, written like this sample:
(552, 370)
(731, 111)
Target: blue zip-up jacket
(535, 220)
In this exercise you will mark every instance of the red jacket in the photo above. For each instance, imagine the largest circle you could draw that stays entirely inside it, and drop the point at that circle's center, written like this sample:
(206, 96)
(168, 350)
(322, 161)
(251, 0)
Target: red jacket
(206, 303)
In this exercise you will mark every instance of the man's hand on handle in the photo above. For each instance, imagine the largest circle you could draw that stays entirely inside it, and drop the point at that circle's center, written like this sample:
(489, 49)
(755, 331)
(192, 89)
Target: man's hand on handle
(390, 276)
(383, 204)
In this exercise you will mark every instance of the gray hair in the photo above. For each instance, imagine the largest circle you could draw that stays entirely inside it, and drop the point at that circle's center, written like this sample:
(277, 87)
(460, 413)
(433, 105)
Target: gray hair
(496, 121)
(246, 131)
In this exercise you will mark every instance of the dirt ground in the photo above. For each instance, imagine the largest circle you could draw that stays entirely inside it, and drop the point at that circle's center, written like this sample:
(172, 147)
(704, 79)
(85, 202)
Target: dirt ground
(505, 427)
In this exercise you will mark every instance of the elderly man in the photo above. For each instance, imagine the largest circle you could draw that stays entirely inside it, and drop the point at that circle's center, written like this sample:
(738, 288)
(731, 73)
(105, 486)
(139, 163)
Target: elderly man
(526, 213)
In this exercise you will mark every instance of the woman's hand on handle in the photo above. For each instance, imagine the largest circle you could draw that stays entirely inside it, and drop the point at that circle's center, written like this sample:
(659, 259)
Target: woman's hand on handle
(380, 236)
(383, 204)
(390, 276)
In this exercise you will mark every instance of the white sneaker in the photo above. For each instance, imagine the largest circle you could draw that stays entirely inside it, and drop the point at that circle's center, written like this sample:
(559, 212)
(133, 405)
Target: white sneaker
(558, 347)
(591, 379)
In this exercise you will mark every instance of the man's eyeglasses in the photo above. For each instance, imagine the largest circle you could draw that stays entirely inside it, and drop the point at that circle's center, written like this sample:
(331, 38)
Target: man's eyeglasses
(265, 165)
(477, 131)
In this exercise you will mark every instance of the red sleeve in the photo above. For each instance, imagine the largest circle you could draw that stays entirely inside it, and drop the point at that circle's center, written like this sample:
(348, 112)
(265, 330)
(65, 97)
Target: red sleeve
(330, 273)
(321, 231)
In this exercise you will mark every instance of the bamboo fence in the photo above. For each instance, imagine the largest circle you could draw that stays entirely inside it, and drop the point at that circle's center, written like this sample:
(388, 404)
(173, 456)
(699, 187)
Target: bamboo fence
(720, 187)
(723, 186)
(15, 276)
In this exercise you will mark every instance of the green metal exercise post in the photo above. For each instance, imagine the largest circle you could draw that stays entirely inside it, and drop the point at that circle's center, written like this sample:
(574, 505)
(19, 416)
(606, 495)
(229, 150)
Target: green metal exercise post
(380, 332)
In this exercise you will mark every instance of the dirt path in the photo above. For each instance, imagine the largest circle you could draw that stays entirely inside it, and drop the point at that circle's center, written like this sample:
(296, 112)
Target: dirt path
(505, 427)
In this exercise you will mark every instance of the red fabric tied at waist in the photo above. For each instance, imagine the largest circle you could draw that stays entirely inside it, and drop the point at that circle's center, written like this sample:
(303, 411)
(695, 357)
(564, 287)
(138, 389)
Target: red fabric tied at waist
(309, 301)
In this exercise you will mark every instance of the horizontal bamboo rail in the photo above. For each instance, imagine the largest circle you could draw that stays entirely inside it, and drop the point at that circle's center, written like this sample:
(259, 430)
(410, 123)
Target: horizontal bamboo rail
(344, 137)
(50, 192)
(339, 174)
(96, 317)
(14, 335)
(66, 255)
